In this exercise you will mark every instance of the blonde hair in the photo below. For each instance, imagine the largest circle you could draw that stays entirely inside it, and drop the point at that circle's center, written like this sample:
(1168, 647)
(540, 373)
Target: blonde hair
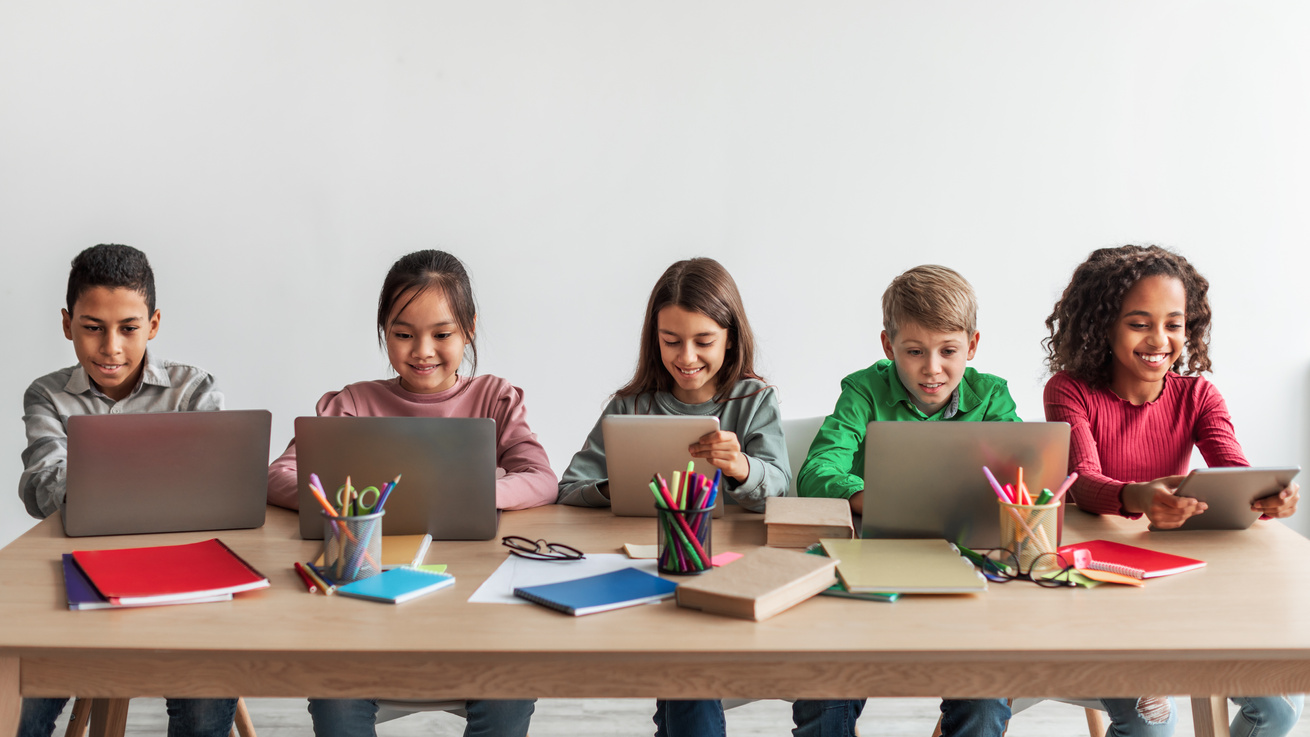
(933, 296)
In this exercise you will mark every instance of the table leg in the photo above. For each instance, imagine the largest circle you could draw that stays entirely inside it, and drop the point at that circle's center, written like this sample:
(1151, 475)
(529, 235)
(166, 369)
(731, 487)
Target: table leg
(108, 717)
(1210, 716)
(11, 704)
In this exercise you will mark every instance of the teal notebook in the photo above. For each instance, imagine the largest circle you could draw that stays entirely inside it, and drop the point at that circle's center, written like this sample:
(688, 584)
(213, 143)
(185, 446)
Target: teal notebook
(397, 585)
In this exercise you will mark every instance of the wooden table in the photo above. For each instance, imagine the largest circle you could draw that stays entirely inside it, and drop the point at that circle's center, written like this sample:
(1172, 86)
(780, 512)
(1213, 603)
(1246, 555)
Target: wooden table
(1240, 626)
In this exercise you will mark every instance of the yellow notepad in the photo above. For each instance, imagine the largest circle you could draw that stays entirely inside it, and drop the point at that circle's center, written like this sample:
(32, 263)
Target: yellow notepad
(903, 566)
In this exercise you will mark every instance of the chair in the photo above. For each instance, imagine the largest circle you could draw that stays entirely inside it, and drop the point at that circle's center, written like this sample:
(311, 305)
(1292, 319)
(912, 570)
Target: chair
(799, 433)
(1091, 707)
(109, 717)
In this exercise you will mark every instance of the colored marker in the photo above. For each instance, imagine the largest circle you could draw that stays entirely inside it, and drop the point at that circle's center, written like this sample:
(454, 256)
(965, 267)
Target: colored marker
(1068, 482)
(310, 586)
(996, 486)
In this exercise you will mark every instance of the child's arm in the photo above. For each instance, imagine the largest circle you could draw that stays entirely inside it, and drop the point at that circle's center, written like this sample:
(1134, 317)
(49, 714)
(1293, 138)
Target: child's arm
(829, 468)
(1216, 438)
(283, 480)
(585, 482)
(1000, 405)
(529, 480)
(756, 459)
(42, 484)
(1093, 491)
(201, 395)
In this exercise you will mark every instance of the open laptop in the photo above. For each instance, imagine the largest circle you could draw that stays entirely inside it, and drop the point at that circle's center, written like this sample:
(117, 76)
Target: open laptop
(166, 472)
(448, 488)
(925, 479)
(639, 446)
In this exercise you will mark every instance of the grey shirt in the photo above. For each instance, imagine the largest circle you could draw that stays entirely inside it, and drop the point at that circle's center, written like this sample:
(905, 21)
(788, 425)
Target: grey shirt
(50, 400)
(753, 416)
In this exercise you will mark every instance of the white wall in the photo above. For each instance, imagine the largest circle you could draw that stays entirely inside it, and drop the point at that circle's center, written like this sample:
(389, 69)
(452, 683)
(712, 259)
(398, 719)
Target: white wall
(274, 158)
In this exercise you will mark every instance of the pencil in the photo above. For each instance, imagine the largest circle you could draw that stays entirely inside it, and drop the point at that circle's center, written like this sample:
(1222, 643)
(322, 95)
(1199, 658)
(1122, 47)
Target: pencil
(310, 586)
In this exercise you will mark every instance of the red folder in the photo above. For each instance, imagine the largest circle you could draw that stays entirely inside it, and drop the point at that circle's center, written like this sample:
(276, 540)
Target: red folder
(1125, 558)
(141, 576)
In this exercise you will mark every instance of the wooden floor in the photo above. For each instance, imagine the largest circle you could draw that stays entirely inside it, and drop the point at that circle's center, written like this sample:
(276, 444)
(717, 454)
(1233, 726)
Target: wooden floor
(631, 718)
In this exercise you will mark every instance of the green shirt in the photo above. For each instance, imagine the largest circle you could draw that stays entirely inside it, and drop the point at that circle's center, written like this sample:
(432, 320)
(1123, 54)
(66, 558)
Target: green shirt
(835, 464)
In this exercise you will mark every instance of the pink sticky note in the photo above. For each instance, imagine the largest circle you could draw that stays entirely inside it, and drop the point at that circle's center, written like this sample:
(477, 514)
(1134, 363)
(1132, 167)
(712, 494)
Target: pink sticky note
(723, 559)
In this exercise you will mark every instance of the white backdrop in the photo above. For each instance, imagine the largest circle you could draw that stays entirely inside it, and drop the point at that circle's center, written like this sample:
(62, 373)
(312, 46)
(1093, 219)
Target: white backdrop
(273, 159)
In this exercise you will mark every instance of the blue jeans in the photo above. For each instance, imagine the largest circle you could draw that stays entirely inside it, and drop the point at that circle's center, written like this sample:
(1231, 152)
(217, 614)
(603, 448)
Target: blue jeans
(486, 718)
(689, 719)
(974, 717)
(828, 718)
(186, 717)
(1257, 716)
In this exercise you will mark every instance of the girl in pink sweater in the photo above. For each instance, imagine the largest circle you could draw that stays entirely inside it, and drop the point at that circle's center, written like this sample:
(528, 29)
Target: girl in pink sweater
(426, 322)
(1128, 342)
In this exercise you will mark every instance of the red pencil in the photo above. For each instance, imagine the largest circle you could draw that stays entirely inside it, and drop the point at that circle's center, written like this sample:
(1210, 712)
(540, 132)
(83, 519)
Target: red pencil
(309, 584)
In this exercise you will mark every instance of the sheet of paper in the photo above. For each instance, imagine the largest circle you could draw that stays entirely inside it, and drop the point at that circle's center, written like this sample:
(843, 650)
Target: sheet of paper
(516, 572)
(641, 552)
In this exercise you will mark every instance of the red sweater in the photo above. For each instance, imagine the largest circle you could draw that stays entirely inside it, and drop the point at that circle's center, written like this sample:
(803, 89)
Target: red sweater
(1113, 442)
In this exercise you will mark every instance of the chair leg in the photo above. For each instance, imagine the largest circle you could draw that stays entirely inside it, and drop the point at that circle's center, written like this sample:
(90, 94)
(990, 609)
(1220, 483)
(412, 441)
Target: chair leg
(1095, 723)
(242, 726)
(79, 719)
(937, 730)
(1210, 716)
(108, 717)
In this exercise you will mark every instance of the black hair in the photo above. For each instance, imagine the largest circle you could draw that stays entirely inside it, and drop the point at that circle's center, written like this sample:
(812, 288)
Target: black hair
(430, 269)
(114, 266)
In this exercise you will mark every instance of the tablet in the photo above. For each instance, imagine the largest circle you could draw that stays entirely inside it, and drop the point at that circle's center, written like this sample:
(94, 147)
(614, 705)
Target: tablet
(639, 446)
(1230, 492)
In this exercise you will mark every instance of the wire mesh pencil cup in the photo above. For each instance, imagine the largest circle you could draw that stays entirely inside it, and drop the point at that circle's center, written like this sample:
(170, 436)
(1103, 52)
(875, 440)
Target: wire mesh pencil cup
(683, 539)
(1031, 531)
(352, 546)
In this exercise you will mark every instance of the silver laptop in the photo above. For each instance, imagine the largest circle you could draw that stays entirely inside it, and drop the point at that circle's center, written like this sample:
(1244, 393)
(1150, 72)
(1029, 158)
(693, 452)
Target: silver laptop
(448, 488)
(166, 472)
(639, 446)
(925, 479)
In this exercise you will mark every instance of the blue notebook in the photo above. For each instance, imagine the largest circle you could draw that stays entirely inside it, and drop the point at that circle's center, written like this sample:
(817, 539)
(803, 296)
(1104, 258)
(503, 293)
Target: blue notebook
(397, 585)
(613, 590)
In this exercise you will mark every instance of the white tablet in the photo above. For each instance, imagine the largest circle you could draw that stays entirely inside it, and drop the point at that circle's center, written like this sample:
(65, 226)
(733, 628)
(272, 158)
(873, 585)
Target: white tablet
(639, 446)
(1229, 494)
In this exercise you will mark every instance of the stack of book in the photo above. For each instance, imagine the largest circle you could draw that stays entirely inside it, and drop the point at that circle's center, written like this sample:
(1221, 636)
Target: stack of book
(799, 522)
(168, 574)
(760, 584)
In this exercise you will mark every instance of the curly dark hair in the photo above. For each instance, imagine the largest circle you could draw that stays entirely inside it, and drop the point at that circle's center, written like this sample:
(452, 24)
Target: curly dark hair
(1080, 324)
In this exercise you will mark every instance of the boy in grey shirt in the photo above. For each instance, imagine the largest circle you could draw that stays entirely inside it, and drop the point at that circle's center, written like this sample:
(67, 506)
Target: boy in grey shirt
(110, 316)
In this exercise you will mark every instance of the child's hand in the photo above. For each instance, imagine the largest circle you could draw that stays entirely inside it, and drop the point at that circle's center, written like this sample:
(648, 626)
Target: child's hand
(1282, 504)
(1156, 500)
(723, 451)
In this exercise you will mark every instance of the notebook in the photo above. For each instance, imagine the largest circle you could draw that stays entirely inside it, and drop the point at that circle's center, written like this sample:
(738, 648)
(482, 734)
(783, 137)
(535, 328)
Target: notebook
(449, 465)
(397, 585)
(904, 567)
(166, 472)
(1130, 560)
(639, 446)
(925, 480)
(799, 522)
(614, 590)
(82, 595)
(168, 573)
(839, 589)
(759, 585)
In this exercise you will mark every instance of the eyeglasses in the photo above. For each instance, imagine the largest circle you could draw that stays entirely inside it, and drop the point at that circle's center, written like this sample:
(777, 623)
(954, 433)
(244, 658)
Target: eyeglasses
(540, 549)
(1048, 570)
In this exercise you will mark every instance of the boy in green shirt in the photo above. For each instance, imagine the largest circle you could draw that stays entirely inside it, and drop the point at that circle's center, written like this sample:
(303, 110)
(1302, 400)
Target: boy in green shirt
(929, 332)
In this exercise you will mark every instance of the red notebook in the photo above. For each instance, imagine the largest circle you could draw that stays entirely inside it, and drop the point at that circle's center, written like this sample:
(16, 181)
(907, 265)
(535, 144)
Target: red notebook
(167, 573)
(1131, 560)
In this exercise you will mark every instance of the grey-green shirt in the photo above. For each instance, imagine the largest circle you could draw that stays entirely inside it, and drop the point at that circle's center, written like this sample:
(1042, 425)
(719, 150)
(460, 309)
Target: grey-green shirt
(165, 386)
(753, 416)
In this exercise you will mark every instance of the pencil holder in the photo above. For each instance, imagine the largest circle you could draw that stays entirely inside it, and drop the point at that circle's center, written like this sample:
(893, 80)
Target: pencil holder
(684, 539)
(1030, 531)
(352, 546)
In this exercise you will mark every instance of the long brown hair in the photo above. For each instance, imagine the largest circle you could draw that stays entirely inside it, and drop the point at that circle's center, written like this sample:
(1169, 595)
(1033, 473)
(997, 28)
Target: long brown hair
(1080, 324)
(697, 285)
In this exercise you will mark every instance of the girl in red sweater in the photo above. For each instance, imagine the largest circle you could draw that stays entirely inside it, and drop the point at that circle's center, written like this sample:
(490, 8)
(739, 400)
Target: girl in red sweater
(1128, 342)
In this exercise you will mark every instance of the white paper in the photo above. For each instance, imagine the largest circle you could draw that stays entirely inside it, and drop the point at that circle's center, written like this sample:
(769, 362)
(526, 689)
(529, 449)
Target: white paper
(517, 572)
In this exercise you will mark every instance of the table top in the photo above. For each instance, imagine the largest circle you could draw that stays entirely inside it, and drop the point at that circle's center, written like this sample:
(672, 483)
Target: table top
(1249, 607)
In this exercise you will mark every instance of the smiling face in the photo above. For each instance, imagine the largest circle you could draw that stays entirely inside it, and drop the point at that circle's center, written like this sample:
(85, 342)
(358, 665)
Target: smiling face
(1148, 338)
(930, 364)
(692, 348)
(109, 329)
(424, 342)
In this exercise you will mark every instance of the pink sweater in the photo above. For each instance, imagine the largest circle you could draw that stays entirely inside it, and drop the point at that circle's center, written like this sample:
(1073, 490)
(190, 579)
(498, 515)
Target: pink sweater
(1113, 442)
(528, 480)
